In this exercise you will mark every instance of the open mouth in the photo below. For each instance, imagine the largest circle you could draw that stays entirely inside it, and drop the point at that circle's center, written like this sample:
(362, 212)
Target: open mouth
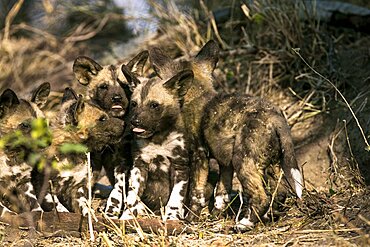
(142, 133)
(138, 130)
(117, 107)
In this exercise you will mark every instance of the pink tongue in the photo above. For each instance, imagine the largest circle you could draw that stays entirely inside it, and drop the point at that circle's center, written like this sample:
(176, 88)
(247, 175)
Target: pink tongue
(138, 130)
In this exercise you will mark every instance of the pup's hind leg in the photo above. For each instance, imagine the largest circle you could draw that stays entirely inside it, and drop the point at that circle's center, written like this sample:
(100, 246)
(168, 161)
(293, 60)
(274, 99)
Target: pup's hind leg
(223, 189)
(251, 179)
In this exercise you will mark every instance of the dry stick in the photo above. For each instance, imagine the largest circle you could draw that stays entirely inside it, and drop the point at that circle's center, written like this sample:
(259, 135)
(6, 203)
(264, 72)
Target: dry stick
(10, 17)
(330, 230)
(89, 218)
(91, 34)
(274, 194)
(296, 50)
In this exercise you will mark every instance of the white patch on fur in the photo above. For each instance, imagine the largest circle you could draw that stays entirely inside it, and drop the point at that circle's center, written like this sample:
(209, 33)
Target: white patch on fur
(82, 203)
(131, 198)
(128, 213)
(176, 201)
(201, 201)
(15, 170)
(5, 210)
(116, 193)
(135, 178)
(54, 199)
(151, 151)
(219, 202)
(30, 194)
(164, 168)
(297, 176)
(78, 173)
(244, 224)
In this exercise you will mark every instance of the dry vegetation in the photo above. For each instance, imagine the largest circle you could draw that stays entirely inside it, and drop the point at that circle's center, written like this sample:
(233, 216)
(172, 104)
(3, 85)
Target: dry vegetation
(315, 72)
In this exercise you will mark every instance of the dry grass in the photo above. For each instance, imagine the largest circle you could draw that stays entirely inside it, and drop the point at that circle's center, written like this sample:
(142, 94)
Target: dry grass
(257, 58)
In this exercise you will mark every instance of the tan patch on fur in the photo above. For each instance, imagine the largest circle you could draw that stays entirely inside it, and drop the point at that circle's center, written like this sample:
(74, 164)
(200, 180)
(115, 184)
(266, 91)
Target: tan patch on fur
(104, 76)
(157, 92)
(22, 114)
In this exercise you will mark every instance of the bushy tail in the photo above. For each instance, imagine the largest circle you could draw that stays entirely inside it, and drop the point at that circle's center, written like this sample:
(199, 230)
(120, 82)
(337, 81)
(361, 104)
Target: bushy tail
(289, 162)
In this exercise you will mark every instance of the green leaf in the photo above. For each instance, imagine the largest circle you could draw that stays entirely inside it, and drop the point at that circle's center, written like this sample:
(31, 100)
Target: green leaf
(332, 192)
(258, 18)
(73, 148)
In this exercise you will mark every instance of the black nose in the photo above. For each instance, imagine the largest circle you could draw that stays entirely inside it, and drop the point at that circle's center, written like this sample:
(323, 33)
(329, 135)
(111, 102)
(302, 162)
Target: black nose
(135, 122)
(117, 98)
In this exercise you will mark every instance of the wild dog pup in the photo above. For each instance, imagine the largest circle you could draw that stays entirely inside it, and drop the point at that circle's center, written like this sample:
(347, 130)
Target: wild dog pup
(79, 122)
(160, 146)
(222, 127)
(107, 87)
(199, 93)
(16, 191)
(248, 135)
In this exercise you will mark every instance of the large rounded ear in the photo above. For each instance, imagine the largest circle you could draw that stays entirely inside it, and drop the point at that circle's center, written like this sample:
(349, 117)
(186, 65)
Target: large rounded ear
(160, 62)
(8, 100)
(69, 94)
(180, 83)
(41, 94)
(132, 80)
(85, 68)
(136, 65)
(208, 56)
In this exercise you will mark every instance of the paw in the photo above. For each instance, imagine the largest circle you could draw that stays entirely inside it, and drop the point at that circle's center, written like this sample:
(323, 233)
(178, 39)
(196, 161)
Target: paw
(173, 213)
(133, 211)
(60, 208)
(127, 215)
(111, 213)
(221, 202)
(85, 211)
(243, 225)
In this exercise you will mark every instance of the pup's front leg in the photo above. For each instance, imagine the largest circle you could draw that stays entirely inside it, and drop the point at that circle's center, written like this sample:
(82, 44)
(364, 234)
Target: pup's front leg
(137, 185)
(180, 173)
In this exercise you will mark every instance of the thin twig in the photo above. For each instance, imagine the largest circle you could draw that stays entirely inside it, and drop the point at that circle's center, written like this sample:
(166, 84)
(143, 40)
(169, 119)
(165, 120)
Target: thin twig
(326, 230)
(10, 17)
(91, 230)
(274, 195)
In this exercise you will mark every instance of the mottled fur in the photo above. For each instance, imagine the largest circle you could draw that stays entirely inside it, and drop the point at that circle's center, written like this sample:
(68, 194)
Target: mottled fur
(79, 122)
(160, 171)
(247, 135)
(108, 88)
(199, 93)
(17, 193)
(243, 133)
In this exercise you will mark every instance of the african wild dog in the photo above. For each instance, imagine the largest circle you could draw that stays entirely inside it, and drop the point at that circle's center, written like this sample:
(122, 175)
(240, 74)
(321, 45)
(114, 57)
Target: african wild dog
(79, 122)
(231, 128)
(160, 146)
(248, 135)
(107, 87)
(200, 92)
(16, 191)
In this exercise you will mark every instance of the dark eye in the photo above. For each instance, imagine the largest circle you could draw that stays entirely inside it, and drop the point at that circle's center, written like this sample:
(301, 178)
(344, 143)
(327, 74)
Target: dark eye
(103, 86)
(133, 104)
(25, 126)
(103, 118)
(154, 105)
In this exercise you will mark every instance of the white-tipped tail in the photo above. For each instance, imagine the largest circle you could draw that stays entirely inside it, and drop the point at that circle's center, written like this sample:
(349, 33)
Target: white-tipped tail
(298, 181)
